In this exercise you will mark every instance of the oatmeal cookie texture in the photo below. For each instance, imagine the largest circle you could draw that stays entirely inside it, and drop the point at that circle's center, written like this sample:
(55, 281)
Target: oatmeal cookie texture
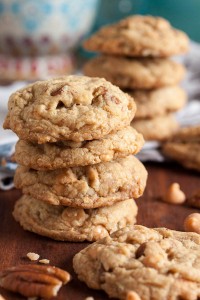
(73, 108)
(66, 154)
(184, 147)
(73, 224)
(158, 102)
(154, 263)
(87, 187)
(159, 128)
(135, 73)
(139, 36)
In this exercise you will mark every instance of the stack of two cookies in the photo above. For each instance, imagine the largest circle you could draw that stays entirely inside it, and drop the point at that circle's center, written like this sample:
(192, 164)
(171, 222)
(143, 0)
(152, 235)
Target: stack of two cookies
(77, 170)
(135, 57)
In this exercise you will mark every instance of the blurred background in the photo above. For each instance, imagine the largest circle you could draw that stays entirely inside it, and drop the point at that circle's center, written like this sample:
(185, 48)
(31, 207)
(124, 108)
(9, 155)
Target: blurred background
(39, 39)
(182, 14)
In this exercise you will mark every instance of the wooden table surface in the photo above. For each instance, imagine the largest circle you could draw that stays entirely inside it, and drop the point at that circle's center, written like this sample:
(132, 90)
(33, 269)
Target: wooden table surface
(15, 243)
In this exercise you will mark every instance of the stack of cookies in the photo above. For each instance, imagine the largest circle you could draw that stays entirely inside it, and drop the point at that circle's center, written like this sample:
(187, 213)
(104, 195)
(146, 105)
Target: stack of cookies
(135, 57)
(77, 170)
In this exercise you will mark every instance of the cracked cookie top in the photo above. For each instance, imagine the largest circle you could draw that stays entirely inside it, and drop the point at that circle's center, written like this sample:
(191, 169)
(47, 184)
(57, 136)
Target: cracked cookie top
(139, 36)
(153, 263)
(73, 108)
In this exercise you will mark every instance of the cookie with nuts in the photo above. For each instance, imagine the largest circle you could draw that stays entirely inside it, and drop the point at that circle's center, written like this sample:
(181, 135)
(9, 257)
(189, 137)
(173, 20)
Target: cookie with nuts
(50, 156)
(139, 36)
(73, 108)
(73, 224)
(184, 147)
(158, 102)
(88, 186)
(137, 262)
(159, 128)
(132, 73)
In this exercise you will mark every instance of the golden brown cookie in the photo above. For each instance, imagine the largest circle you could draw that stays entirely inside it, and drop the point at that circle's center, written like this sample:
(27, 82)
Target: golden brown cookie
(158, 102)
(132, 73)
(139, 36)
(73, 224)
(158, 128)
(184, 147)
(151, 264)
(87, 187)
(68, 108)
(51, 156)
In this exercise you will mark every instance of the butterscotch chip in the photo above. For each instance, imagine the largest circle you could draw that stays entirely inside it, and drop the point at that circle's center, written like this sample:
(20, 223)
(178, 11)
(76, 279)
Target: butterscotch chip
(174, 194)
(159, 128)
(85, 187)
(184, 147)
(132, 73)
(70, 154)
(154, 263)
(68, 108)
(73, 224)
(192, 223)
(34, 280)
(158, 102)
(139, 36)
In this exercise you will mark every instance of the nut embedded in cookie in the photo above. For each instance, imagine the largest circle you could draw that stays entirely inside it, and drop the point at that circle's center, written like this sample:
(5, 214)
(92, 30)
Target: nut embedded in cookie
(153, 263)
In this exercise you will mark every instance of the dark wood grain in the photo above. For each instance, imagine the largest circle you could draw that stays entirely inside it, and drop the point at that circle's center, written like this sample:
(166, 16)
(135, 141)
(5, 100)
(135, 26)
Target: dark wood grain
(15, 243)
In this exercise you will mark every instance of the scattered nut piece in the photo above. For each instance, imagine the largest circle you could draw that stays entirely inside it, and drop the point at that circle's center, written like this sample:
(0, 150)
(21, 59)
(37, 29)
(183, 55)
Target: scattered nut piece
(34, 280)
(33, 256)
(194, 200)
(2, 298)
(131, 295)
(44, 261)
(89, 298)
(174, 195)
(192, 223)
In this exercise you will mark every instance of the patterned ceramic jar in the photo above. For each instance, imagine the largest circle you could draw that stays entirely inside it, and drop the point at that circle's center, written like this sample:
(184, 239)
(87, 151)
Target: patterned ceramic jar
(33, 27)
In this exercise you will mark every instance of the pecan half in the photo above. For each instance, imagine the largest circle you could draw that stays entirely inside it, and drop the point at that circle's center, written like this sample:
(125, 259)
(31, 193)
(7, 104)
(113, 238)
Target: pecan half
(34, 280)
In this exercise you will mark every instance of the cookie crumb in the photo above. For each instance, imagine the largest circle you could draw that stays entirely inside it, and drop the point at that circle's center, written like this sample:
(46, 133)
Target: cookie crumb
(192, 223)
(174, 194)
(33, 256)
(131, 295)
(44, 261)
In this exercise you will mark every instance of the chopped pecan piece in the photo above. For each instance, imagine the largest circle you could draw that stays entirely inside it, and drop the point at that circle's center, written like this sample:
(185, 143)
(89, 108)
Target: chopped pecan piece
(34, 280)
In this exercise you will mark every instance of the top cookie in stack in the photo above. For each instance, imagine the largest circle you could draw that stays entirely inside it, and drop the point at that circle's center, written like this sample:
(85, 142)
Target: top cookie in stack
(135, 56)
(77, 170)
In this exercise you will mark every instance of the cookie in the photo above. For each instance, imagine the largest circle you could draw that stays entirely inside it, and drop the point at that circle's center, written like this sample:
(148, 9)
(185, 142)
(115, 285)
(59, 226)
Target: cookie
(148, 263)
(158, 128)
(184, 147)
(87, 187)
(139, 36)
(158, 102)
(68, 108)
(73, 224)
(67, 154)
(188, 135)
(132, 73)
